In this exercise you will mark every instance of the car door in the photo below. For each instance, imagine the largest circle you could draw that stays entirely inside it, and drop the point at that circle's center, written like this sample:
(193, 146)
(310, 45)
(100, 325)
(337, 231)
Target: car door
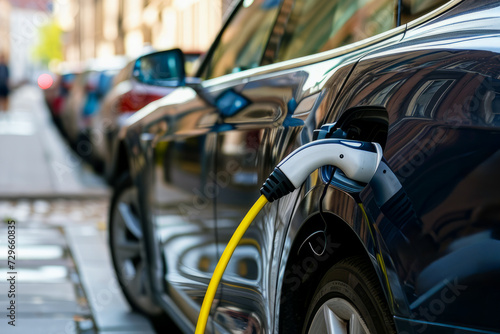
(180, 131)
(265, 116)
(440, 239)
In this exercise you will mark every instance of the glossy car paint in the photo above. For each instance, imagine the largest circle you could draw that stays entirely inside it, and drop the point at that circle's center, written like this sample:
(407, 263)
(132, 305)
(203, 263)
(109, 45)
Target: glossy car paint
(440, 89)
(123, 100)
(198, 165)
(198, 154)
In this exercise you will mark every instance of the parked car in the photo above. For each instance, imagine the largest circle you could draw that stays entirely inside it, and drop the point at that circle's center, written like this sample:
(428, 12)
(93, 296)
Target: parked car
(126, 96)
(327, 258)
(86, 93)
(56, 94)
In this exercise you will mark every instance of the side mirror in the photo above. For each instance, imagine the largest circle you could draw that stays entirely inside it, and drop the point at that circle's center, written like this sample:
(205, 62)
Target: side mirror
(164, 68)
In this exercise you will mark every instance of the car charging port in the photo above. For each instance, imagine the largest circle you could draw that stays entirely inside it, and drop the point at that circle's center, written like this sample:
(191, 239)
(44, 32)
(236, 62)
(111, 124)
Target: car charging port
(368, 124)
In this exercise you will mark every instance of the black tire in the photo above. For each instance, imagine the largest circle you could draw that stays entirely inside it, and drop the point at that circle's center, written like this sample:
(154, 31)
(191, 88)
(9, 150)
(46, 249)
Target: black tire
(127, 249)
(350, 290)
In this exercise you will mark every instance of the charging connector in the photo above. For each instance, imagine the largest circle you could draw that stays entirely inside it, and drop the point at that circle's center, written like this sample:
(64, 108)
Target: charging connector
(358, 160)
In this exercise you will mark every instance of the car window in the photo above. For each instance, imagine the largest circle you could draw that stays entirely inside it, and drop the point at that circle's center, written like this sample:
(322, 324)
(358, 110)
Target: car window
(320, 25)
(242, 43)
(413, 9)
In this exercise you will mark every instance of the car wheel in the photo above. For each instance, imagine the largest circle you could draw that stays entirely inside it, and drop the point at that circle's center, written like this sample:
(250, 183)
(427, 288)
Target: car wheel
(127, 249)
(349, 301)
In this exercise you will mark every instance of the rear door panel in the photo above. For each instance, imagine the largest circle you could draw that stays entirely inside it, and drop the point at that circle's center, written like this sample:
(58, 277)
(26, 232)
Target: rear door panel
(441, 91)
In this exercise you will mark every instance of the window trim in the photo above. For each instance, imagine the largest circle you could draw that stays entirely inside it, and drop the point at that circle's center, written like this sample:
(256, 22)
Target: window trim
(208, 56)
(327, 55)
(432, 14)
(307, 60)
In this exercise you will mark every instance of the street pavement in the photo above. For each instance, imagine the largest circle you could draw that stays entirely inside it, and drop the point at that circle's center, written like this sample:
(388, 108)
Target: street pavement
(34, 160)
(62, 273)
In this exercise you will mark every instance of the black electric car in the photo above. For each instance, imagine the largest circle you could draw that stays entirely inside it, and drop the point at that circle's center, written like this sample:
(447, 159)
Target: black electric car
(421, 78)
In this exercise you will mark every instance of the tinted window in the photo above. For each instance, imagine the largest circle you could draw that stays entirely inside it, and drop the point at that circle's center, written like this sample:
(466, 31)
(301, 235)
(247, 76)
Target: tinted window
(412, 9)
(320, 25)
(242, 43)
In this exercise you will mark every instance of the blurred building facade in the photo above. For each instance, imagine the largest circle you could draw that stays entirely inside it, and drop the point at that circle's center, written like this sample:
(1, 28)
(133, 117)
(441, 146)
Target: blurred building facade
(103, 28)
(4, 27)
(20, 21)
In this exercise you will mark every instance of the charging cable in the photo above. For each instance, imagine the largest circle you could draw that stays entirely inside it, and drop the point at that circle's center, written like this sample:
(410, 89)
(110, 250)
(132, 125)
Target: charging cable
(358, 160)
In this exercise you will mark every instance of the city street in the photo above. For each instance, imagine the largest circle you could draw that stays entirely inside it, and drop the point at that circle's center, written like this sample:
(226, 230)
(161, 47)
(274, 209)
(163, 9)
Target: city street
(53, 212)
(249, 166)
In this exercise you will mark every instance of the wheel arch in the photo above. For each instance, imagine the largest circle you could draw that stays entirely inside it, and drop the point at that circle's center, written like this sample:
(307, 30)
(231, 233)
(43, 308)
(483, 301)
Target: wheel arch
(301, 271)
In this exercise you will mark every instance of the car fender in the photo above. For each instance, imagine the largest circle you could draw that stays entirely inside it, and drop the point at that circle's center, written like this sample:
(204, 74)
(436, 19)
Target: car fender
(345, 207)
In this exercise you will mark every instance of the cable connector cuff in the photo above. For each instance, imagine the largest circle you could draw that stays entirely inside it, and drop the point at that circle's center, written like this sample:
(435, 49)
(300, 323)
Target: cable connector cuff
(276, 186)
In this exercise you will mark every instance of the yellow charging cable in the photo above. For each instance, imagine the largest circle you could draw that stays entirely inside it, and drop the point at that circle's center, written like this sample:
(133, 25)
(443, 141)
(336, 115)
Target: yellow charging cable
(358, 160)
(223, 261)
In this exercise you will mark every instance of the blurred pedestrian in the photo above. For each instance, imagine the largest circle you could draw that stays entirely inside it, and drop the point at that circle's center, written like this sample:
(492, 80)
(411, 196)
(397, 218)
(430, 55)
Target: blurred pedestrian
(4, 83)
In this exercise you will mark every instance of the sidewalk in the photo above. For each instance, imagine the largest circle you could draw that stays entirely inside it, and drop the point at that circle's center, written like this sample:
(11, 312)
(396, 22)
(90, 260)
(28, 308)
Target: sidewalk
(64, 281)
(35, 162)
(48, 295)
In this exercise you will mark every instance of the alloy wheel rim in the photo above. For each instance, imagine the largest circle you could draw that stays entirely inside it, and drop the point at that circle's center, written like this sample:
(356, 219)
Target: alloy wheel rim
(338, 316)
(128, 250)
